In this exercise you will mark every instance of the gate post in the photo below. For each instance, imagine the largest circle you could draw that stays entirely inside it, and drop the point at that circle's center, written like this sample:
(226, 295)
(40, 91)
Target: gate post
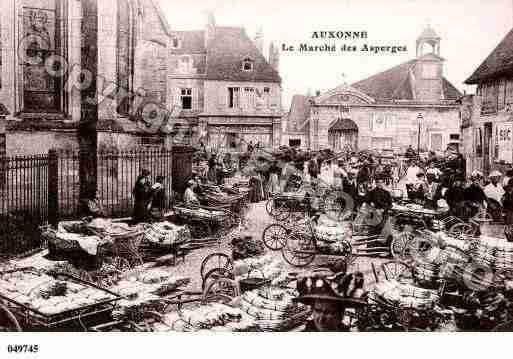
(53, 187)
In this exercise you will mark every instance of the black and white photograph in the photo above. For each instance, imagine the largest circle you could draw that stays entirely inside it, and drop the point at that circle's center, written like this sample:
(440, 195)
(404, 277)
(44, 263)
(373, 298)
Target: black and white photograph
(217, 166)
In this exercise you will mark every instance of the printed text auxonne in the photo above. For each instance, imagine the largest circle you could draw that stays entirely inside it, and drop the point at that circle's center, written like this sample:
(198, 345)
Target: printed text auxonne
(339, 35)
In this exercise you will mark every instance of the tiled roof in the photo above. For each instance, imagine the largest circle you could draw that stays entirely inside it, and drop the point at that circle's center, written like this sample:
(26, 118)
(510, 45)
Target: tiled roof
(499, 62)
(191, 42)
(342, 124)
(396, 84)
(392, 84)
(450, 92)
(226, 52)
(299, 111)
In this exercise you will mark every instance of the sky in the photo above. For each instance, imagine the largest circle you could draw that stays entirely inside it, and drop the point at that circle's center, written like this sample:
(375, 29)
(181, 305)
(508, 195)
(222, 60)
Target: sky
(469, 31)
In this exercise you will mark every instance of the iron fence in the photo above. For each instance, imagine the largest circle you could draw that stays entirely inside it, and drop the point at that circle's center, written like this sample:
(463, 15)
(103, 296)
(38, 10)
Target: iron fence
(41, 188)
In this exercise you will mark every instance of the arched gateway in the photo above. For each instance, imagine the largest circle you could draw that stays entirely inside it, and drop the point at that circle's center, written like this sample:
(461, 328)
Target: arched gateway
(343, 133)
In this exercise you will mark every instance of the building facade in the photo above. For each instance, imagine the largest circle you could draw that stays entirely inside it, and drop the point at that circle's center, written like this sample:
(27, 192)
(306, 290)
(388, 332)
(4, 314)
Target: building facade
(412, 104)
(224, 92)
(59, 55)
(488, 115)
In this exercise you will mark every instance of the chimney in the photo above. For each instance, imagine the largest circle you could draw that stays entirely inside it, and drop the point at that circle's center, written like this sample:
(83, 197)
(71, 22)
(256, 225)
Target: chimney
(274, 57)
(210, 26)
(259, 40)
(317, 93)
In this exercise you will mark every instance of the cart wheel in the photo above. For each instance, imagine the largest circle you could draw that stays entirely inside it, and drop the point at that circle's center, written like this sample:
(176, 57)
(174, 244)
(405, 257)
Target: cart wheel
(399, 245)
(397, 270)
(460, 230)
(280, 211)
(215, 260)
(221, 290)
(8, 322)
(299, 250)
(275, 236)
(214, 274)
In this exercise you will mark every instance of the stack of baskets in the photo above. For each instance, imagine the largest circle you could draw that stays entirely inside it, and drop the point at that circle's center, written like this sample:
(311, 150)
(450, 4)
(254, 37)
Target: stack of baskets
(494, 253)
(273, 309)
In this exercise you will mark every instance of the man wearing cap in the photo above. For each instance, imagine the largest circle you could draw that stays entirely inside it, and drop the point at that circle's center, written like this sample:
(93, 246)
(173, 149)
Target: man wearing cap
(329, 295)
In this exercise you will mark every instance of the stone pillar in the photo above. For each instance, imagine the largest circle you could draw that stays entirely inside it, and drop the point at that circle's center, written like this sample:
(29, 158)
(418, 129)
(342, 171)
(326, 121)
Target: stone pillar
(88, 140)
(74, 54)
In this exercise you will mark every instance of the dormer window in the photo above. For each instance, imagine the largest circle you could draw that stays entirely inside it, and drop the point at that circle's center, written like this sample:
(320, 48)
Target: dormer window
(247, 64)
(175, 42)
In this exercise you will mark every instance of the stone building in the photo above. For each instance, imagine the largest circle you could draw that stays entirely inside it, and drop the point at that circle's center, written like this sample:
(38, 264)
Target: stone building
(409, 104)
(224, 92)
(56, 54)
(487, 116)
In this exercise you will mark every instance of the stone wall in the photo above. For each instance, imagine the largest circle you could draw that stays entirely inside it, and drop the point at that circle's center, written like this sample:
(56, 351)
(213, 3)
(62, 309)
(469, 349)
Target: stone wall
(399, 131)
(23, 143)
(216, 95)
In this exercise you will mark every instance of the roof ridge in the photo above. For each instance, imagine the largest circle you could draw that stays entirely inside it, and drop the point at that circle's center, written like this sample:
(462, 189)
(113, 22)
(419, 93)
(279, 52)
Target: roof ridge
(475, 75)
(385, 71)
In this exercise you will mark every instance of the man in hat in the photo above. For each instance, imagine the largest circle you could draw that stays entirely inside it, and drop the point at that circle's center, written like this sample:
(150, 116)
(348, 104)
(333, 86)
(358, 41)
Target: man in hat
(507, 202)
(474, 195)
(329, 295)
(433, 189)
(455, 198)
(142, 197)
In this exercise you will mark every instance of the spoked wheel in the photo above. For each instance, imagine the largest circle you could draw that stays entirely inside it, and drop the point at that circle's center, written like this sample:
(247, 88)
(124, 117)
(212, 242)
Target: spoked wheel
(278, 209)
(461, 230)
(215, 260)
(399, 245)
(215, 274)
(299, 250)
(275, 236)
(397, 270)
(8, 322)
(222, 290)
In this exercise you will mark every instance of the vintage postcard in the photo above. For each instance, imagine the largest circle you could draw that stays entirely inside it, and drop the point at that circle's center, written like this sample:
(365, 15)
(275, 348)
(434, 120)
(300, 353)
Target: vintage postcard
(174, 166)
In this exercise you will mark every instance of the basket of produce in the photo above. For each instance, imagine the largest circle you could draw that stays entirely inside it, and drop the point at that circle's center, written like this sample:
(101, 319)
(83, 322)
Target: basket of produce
(166, 234)
(274, 310)
(250, 282)
(47, 301)
(192, 212)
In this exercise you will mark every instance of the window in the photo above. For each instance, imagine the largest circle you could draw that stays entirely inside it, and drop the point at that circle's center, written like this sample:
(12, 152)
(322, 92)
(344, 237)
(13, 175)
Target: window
(454, 136)
(267, 90)
(186, 99)
(247, 64)
(233, 97)
(41, 92)
(249, 94)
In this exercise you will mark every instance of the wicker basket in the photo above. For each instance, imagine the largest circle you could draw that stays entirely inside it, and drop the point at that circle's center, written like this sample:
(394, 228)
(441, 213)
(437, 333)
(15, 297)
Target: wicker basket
(126, 245)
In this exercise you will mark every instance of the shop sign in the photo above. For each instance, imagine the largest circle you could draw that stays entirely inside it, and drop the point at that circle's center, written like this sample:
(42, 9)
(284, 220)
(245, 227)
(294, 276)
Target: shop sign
(505, 142)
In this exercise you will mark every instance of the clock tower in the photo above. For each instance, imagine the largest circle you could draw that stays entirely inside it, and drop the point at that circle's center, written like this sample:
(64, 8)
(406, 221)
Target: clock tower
(428, 70)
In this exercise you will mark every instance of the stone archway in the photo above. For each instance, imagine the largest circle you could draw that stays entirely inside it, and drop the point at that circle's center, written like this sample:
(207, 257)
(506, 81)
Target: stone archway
(342, 134)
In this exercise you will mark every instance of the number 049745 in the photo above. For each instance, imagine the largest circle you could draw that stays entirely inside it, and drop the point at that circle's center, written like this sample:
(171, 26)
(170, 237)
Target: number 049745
(25, 348)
